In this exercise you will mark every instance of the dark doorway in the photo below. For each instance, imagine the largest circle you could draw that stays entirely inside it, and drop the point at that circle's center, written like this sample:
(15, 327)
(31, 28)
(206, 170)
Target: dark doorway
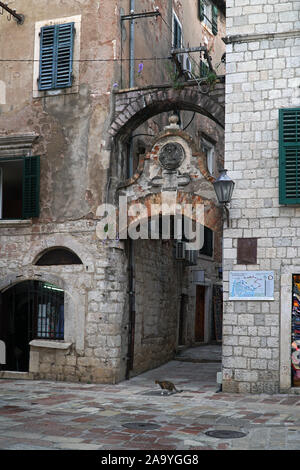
(182, 319)
(29, 310)
(200, 313)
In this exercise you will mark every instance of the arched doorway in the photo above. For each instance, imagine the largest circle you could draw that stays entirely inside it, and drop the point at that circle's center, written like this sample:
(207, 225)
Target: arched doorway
(29, 310)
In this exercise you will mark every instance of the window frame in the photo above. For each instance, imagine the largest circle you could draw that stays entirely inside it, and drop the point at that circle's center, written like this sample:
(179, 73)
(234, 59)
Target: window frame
(203, 69)
(211, 149)
(211, 21)
(179, 24)
(76, 57)
(207, 12)
(23, 159)
(52, 51)
(208, 256)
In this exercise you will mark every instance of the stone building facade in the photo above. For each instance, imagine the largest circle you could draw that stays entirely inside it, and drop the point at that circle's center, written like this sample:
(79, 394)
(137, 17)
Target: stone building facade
(73, 306)
(262, 99)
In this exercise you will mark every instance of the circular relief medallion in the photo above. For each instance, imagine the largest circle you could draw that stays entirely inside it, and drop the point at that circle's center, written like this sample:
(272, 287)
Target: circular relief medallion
(171, 156)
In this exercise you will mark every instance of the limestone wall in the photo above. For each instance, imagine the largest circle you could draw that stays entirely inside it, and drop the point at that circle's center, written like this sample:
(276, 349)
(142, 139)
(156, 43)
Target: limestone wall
(262, 76)
(95, 299)
(158, 287)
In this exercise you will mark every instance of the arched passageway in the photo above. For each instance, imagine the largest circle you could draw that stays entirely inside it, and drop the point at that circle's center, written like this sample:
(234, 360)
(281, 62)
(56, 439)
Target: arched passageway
(134, 107)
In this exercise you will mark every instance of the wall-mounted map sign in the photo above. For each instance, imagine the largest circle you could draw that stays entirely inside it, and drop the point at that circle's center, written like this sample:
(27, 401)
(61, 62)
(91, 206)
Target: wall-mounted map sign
(251, 285)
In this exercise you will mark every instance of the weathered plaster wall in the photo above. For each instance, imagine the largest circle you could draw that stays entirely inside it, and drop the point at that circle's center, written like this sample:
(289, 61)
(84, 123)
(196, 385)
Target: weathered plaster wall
(75, 157)
(71, 126)
(157, 32)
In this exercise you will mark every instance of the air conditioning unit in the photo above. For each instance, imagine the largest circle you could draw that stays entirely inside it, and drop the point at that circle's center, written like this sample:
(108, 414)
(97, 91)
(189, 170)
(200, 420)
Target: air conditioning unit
(187, 65)
(180, 250)
(191, 257)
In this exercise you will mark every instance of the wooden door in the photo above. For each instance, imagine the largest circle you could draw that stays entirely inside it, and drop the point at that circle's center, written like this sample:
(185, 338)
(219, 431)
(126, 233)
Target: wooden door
(200, 313)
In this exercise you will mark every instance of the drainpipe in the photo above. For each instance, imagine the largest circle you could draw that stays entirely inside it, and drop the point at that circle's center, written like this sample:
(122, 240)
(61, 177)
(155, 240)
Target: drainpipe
(131, 47)
(131, 320)
(131, 329)
(131, 77)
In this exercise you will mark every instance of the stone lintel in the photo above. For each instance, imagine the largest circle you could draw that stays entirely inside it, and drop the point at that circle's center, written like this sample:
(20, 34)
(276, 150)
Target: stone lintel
(50, 344)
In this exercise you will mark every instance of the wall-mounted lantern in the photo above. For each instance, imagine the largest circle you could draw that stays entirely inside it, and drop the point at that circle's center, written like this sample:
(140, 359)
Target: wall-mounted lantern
(224, 188)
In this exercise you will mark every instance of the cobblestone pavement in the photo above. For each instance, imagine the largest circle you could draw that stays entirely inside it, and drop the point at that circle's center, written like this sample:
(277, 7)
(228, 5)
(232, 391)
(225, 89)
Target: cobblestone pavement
(133, 415)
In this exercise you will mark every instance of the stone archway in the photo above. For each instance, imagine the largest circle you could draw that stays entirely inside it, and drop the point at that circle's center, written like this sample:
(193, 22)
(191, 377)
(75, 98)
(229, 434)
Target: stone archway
(133, 107)
(161, 276)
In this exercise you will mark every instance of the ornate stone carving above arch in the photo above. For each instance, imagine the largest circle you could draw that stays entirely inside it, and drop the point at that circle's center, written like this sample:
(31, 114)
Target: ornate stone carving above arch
(174, 163)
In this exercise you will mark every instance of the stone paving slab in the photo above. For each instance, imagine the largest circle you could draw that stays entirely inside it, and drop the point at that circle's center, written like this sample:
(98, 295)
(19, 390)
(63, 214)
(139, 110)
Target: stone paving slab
(51, 415)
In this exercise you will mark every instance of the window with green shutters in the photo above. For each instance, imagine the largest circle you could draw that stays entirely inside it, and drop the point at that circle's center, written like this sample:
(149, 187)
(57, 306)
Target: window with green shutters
(177, 33)
(289, 156)
(19, 187)
(201, 10)
(208, 13)
(214, 20)
(56, 56)
(31, 187)
(204, 69)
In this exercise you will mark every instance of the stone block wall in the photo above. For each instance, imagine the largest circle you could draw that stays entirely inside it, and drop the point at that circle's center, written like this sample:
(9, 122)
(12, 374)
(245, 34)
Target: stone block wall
(263, 63)
(158, 287)
(95, 299)
(261, 16)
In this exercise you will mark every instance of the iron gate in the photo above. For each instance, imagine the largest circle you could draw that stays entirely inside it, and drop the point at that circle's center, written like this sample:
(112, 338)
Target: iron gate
(29, 310)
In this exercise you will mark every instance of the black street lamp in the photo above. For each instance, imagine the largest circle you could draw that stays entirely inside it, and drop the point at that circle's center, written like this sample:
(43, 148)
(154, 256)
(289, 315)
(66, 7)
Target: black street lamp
(224, 188)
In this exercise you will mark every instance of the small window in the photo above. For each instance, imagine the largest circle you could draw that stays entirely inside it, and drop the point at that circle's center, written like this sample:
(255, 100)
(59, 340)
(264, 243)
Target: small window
(204, 69)
(58, 256)
(56, 56)
(177, 33)
(19, 188)
(207, 248)
(209, 151)
(50, 315)
(208, 15)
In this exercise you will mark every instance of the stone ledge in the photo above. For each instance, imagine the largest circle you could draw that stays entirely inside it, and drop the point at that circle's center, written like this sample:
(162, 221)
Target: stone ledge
(10, 374)
(50, 344)
(17, 145)
(260, 36)
(15, 222)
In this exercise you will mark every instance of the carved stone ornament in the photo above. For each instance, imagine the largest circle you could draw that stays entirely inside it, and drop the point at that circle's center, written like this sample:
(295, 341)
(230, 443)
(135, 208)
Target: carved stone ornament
(171, 156)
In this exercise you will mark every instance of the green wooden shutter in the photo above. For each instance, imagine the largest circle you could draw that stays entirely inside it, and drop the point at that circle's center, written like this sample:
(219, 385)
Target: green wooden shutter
(56, 56)
(201, 10)
(31, 187)
(289, 156)
(204, 69)
(214, 23)
(64, 55)
(177, 34)
(47, 58)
